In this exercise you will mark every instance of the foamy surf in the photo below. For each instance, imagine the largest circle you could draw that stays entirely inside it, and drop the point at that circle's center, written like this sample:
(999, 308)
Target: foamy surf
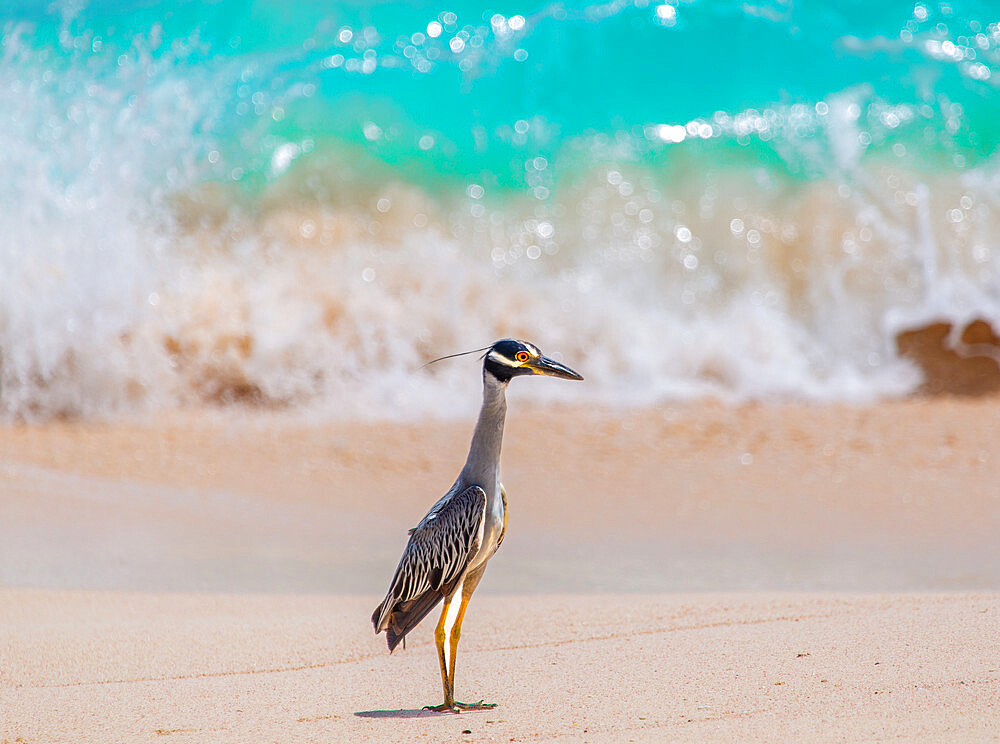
(185, 221)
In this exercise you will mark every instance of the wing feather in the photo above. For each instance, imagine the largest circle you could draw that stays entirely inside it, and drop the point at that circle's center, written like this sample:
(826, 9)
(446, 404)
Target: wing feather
(435, 558)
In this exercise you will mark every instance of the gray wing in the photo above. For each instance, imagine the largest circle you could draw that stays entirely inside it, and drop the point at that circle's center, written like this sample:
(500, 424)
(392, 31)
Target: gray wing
(435, 558)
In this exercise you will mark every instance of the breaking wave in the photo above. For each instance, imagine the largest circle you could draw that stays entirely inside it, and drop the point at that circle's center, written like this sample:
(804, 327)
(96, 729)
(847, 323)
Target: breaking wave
(194, 211)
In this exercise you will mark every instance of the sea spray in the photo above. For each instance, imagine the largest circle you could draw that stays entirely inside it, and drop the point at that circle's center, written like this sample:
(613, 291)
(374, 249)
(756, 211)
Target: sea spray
(745, 201)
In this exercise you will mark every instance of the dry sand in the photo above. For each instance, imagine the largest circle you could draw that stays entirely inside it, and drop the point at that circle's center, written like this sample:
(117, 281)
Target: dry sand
(695, 573)
(110, 667)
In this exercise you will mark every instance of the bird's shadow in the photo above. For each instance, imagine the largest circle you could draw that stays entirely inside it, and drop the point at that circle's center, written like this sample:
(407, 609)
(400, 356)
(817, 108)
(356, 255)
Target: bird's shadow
(402, 713)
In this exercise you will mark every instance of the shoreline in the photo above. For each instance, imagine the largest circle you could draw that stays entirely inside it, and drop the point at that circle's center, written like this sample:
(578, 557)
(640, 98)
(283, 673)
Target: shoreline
(899, 496)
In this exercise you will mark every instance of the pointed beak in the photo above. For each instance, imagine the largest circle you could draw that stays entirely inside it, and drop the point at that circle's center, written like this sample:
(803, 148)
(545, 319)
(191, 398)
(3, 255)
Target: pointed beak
(545, 366)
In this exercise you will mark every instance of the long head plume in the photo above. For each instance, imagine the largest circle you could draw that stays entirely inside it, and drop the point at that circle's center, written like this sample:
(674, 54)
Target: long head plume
(452, 356)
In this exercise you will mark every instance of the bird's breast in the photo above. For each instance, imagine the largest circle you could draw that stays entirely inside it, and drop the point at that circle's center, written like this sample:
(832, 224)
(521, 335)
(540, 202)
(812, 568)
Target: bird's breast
(497, 507)
(492, 528)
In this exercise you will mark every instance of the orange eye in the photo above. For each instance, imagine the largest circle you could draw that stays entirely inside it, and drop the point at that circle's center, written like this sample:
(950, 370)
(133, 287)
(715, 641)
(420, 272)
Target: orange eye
(522, 356)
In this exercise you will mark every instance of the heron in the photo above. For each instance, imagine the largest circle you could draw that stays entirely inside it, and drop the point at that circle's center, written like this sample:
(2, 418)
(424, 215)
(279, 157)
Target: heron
(447, 552)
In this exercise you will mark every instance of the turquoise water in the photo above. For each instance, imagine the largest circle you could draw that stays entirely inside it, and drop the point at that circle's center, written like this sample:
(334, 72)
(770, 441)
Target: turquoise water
(285, 71)
(298, 203)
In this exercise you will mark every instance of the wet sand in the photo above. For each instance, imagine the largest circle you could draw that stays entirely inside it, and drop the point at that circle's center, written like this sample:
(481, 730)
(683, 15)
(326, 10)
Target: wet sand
(687, 573)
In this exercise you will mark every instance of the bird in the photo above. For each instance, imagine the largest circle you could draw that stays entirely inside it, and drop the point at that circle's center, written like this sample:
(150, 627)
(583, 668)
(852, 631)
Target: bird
(448, 550)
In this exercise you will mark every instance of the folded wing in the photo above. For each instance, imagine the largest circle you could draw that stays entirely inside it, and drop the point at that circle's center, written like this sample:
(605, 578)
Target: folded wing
(433, 562)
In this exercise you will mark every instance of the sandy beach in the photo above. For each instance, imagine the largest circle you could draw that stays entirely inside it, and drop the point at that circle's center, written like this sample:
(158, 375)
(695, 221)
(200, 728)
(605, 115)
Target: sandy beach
(685, 573)
(254, 258)
(135, 667)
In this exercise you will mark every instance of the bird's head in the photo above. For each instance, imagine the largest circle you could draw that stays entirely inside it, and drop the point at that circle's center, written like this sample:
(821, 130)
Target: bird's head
(509, 358)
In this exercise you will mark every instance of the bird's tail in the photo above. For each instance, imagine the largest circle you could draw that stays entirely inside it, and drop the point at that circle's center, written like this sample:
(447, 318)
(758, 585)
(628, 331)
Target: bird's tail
(380, 618)
(403, 618)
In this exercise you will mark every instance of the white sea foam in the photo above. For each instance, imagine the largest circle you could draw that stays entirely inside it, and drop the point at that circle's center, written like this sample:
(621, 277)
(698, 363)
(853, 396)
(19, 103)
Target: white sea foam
(108, 312)
(128, 283)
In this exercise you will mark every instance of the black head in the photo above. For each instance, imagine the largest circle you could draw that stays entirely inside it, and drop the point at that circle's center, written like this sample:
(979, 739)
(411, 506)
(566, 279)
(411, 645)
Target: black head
(509, 358)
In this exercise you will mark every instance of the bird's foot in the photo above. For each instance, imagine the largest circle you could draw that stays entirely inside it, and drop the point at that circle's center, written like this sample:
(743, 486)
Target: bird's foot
(457, 707)
(444, 707)
(480, 705)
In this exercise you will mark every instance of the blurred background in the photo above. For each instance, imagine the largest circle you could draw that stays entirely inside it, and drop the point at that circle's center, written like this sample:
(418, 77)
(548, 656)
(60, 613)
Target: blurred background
(296, 204)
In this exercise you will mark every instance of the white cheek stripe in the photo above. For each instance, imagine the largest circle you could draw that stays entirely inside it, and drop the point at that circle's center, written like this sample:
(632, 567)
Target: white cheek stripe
(500, 358)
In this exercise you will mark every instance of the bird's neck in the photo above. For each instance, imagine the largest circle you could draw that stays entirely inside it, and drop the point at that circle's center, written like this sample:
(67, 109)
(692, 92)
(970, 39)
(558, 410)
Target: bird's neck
(483, 463)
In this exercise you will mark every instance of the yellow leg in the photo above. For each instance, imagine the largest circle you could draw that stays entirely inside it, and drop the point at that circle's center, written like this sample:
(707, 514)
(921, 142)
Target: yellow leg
(440, 634)
(468, 587)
